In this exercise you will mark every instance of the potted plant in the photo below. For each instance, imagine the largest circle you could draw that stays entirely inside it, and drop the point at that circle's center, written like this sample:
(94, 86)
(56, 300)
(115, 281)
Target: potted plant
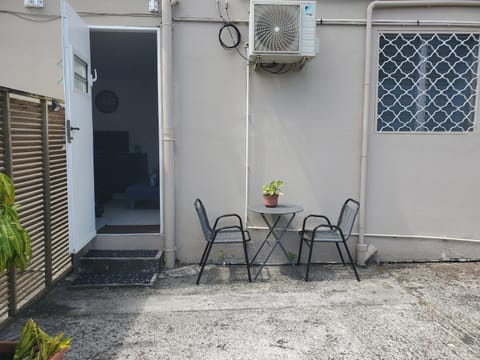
(35, 344)
(15, 249)
(271, 192)
(16, 253)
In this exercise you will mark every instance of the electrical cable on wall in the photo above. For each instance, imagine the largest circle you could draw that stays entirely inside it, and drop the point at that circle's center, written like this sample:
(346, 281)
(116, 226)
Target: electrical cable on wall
(44, 18)
(229, 37)
(235, 42)
(88, 14)
(38, 18)
(232, 29)
(277, 69)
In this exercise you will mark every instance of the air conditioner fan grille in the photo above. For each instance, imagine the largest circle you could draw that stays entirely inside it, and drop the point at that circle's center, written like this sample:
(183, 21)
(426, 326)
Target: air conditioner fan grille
(277, 28)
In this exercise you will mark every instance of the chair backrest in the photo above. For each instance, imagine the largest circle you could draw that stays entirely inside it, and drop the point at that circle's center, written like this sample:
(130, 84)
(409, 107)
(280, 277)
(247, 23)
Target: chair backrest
(347, 217)
(202, 216)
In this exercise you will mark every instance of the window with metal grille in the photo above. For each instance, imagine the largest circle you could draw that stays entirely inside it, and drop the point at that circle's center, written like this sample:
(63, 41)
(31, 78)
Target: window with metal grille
(427, 82)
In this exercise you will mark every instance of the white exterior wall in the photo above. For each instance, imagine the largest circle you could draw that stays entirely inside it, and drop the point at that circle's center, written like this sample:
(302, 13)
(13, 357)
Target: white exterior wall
(418, 184)
(31, 52)
(305, 128)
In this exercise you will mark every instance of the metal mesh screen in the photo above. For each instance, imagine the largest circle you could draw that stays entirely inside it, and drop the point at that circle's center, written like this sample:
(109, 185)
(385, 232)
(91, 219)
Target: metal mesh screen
(427, 82)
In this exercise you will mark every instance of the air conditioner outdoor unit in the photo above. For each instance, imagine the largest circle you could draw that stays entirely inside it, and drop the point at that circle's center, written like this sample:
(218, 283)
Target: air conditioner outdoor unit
(282, 31)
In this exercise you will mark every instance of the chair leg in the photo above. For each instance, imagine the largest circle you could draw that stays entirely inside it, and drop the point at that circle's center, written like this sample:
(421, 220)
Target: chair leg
(246, 260)
(209, 247)
(203, 255)
(340, 253)
(351, 261)
(300, 251)
(309, 260)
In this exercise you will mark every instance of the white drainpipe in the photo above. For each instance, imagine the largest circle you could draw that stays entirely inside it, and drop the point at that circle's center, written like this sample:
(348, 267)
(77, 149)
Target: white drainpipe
(168, 131)
(365, 251)
(247, 139)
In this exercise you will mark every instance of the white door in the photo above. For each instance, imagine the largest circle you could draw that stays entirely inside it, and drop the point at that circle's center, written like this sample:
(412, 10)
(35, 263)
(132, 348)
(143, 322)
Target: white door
(78, 106)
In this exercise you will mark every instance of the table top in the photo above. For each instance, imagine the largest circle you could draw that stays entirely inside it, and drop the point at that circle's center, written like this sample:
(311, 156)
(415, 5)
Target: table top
(280, 209)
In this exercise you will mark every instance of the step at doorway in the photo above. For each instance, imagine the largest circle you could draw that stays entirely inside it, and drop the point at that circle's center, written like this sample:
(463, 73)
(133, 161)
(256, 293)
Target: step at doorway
(117, 268)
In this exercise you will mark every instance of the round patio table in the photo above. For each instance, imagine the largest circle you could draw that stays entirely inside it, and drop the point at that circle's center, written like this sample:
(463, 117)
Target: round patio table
(275, 229)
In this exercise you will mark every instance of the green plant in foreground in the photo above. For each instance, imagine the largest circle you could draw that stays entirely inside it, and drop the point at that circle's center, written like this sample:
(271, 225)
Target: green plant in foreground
(273, 188)
(15, 249)
(35, 344)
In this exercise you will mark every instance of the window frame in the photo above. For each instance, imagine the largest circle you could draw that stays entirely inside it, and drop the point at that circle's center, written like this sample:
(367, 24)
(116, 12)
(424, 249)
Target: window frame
(375, 77)
(79, 77)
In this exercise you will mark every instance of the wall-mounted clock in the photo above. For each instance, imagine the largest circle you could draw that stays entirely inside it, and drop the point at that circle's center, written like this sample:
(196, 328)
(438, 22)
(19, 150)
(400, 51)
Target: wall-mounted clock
(106, 101)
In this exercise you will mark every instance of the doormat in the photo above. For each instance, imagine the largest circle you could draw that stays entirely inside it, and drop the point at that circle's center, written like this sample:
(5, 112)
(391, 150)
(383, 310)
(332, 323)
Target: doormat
(114, 280)
(129, 229)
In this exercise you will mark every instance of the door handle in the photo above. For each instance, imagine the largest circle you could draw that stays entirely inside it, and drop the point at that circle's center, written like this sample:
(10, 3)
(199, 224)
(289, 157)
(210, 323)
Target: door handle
(92, 78)
(70, 128)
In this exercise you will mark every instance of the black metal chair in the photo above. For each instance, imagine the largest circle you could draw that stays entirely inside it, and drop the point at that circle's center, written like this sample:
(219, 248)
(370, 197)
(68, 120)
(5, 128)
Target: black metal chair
(328, 233)
(231, 234)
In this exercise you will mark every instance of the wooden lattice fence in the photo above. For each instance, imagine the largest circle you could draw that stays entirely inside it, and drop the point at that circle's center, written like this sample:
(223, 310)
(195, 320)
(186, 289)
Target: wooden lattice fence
(33, 154)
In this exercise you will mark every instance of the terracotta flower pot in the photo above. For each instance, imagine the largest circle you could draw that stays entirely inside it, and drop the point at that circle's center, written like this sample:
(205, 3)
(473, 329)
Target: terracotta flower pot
(59, 355)
(270, 200)
(7, 350)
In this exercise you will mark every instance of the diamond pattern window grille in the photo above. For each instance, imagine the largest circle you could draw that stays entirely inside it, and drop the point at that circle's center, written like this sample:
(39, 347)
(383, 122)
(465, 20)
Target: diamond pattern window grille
(427, 82)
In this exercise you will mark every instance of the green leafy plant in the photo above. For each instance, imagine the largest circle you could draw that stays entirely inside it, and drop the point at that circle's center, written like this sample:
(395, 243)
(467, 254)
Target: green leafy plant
(221, 256)
(35, 344)
(273, 188)
(15, 249)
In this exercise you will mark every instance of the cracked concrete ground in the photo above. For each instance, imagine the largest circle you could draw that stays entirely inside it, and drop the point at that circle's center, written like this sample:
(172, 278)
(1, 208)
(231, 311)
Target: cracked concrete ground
(401, 311)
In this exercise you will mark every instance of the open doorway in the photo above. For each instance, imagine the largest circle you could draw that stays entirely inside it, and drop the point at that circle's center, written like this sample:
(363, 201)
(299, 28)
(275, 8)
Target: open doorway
(126, 131)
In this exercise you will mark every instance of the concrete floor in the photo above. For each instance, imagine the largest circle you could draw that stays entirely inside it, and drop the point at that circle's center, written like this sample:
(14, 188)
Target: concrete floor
(402, 311)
